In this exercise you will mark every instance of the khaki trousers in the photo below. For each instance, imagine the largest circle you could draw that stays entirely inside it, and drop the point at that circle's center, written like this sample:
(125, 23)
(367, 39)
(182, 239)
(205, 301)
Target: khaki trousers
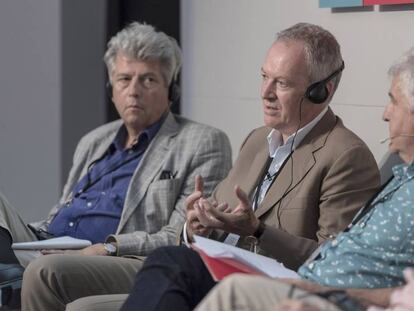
(51, 282)
(98, 303)
(243, 292)
(12, 222)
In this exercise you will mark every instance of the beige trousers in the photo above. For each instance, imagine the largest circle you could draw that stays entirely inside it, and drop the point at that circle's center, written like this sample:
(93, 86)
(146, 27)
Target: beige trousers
(98, 303)
(51, 282)
(243, 292)
(11, 221)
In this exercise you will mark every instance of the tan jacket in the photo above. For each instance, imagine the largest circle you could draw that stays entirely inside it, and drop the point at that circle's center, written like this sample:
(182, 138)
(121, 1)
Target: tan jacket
(334, 174)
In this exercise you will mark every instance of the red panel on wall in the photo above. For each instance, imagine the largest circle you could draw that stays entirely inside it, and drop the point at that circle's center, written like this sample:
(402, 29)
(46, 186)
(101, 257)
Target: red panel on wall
(372, 2)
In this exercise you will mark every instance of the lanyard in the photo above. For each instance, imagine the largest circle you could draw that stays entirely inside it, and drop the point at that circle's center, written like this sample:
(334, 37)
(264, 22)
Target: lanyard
(369, 206)
(365, 210)
(263, 178)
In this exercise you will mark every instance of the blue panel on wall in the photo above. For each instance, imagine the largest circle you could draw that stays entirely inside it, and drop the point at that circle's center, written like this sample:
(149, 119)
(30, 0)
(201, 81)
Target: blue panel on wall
(339, 3)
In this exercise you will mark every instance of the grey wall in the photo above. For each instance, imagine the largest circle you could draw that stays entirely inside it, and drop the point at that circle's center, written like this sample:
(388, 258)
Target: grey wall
(83, 41)
(45, 43)
(225, 41)
(52, 77)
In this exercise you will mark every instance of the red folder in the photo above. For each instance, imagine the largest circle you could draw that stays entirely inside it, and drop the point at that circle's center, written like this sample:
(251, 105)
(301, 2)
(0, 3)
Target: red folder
(220, 267)
(223, 259)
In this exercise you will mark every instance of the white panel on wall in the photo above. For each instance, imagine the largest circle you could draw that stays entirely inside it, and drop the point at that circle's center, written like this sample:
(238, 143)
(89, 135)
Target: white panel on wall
(30, 104)
(40, 119)
(224, 43)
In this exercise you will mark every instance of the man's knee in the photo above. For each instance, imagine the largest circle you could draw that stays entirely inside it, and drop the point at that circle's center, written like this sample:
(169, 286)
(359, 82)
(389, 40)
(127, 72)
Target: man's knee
(43, 269)
(98, 303)
(235, 281)
(170, 254)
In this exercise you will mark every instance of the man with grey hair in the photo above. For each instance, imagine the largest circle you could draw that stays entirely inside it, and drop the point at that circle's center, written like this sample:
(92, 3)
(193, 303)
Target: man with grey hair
(297, 180)
(126, 189)
(368, 259)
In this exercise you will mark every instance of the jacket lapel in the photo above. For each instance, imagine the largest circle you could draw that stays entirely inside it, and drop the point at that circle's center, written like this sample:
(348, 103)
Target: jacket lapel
(149, 167)
(255, 171)
(302, 160)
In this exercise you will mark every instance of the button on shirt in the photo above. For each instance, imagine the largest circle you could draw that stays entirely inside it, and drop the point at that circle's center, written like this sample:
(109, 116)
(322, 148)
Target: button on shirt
(376, 249)
(98, 198)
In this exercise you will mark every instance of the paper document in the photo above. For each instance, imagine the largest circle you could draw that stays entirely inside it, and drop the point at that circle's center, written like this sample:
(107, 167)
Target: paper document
(265, 265)
(64, 242)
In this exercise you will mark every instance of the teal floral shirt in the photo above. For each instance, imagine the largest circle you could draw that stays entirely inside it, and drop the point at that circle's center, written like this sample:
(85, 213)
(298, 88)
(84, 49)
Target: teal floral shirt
(376, 249)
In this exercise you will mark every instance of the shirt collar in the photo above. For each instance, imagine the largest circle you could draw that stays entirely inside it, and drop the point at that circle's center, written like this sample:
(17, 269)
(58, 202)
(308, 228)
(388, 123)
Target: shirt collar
(402, 171)
(274, 138)
(147, 134)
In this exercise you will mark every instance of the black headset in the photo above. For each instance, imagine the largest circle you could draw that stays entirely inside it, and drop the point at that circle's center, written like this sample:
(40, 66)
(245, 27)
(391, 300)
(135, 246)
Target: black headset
(317, 92)
(174, 91)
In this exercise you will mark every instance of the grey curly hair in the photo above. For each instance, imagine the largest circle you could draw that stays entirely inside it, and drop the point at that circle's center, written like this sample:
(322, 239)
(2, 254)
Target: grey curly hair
(143, 42)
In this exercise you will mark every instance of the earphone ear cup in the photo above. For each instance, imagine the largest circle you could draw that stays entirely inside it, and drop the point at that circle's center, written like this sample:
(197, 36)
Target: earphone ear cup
(174, 92)
(108, 89)
(317, 93)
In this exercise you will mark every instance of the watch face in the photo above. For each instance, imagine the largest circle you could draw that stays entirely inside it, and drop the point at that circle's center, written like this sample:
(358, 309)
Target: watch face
(110, 248)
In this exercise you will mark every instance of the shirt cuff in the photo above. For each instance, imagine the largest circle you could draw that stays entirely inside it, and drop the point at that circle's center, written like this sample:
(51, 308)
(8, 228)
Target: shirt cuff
(185, 238)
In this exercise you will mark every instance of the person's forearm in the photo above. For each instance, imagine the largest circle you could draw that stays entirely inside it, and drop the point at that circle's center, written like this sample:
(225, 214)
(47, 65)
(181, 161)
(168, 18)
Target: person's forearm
(365, 296)
(378, 297)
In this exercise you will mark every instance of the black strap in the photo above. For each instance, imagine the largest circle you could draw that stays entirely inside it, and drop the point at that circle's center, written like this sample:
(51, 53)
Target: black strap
(367, 207)
(263, 177)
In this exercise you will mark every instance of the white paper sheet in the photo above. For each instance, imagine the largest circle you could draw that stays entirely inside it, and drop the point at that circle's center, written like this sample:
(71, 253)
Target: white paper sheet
(64, 242)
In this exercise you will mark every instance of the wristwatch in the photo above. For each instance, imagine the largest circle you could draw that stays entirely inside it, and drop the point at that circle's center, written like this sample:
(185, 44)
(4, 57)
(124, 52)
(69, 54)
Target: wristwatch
(110, 248)
(259, 231)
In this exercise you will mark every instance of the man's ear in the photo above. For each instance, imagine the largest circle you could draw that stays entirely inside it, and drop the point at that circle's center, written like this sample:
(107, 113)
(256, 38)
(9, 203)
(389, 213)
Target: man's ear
(330, 86)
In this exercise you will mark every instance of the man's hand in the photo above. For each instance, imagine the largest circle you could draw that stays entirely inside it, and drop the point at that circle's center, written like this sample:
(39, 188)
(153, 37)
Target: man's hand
(402, 299)
(295, 305)
(192, 201)
(93, 250)
(241, 220)
(310, 287)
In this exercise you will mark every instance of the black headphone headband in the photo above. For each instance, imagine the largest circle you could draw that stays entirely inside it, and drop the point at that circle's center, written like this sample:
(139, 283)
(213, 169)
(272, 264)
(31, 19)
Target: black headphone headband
(317, 92)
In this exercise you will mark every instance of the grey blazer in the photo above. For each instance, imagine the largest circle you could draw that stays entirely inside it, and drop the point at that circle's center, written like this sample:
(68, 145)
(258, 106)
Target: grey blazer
(154, 209)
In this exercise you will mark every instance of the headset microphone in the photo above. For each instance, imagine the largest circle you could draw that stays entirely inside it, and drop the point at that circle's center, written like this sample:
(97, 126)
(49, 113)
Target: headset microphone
(392, 137)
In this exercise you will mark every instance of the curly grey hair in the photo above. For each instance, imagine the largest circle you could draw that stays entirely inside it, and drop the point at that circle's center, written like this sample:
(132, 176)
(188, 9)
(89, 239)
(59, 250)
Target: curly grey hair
(322, 50)
(404, 69)
(143, 42)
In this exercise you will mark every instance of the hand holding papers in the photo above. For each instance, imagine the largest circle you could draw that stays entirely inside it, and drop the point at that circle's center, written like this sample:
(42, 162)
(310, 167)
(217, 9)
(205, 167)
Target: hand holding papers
(222, 259)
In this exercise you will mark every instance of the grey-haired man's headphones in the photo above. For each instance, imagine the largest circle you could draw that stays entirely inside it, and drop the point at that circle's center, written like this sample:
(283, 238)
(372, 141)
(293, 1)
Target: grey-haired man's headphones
(317, 92)
(174, 91)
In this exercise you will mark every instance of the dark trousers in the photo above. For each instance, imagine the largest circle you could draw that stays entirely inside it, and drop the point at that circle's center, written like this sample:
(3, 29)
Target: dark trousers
(172, 278)
(6, 253)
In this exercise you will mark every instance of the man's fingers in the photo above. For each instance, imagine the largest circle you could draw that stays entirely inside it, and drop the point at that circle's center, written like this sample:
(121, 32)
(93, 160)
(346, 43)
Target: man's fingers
(409, 275)
(221, 216)
(242, 196)
(192, 198)
(205, 216)
(223, 207)
(199, 183)
(51, 251)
